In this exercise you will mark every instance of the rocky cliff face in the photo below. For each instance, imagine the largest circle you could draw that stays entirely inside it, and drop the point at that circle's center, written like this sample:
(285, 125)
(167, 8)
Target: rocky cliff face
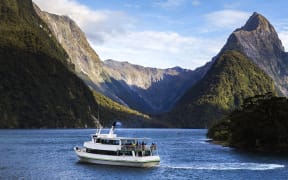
(149, 90)
(88, 66)
(155, 90)
(86, 62)
(259, 41)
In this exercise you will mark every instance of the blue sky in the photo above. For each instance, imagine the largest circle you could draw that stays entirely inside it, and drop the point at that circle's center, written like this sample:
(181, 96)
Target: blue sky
(165, 33)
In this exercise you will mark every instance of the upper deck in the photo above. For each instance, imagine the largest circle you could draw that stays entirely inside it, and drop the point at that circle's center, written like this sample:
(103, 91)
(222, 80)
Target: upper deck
(111, 142)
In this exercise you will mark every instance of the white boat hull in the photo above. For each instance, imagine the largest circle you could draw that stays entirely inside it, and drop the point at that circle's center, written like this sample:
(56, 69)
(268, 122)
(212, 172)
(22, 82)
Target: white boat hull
(133, 161)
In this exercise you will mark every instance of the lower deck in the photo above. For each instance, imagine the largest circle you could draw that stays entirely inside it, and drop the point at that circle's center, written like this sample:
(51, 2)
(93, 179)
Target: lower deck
(121, 159)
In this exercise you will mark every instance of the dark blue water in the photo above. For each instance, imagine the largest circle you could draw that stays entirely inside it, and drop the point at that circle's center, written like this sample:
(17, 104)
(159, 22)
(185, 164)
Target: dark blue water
(48, 154)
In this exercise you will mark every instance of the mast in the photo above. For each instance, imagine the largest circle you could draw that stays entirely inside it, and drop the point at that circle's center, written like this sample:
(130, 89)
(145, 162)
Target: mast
(116, 123)
(112, 128)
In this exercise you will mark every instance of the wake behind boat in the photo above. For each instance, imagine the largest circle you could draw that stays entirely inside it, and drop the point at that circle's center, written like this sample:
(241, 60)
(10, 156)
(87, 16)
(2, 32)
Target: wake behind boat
(123, 151)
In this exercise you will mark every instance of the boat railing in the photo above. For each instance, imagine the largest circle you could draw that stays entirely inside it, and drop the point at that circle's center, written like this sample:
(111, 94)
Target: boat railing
(139, 147)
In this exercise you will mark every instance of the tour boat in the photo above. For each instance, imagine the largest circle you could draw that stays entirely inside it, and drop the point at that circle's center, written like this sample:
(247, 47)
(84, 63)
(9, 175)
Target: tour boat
(122, 151)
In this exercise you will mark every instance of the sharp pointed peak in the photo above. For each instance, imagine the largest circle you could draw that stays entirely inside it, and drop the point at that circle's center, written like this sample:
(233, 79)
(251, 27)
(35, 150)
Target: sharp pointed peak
(257, 21)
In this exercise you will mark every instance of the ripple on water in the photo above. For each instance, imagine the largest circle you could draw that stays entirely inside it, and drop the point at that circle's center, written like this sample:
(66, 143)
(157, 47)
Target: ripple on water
(229, 166)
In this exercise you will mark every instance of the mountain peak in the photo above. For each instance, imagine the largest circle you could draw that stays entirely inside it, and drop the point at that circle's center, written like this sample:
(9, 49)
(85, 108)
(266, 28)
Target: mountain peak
(257, 21)
(232, 78)
(258, 40)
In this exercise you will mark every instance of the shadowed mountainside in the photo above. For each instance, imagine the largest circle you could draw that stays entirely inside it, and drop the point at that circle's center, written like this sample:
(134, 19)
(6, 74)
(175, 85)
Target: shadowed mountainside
(37, 87)
(148, 90)
(232, 78)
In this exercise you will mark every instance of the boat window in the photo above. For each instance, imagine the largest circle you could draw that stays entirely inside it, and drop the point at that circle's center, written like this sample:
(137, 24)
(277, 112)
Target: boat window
(116, 142)
(108, 141)
(112, 153)
(94, 151)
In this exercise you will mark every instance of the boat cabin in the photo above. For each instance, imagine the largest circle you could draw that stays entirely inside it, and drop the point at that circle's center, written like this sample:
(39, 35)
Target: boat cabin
(120, 146)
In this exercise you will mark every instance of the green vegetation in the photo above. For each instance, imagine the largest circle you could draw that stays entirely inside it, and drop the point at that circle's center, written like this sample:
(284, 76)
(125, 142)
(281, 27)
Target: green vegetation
(37, 89)
(21, 28)
(232, 78)
(260, 125)
(111, 111)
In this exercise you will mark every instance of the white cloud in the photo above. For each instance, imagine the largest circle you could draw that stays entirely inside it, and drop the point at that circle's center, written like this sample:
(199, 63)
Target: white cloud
(98, 25)
(160, 49)
(281, 27)
(227, 18)
(112, 37)
(283, 35)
